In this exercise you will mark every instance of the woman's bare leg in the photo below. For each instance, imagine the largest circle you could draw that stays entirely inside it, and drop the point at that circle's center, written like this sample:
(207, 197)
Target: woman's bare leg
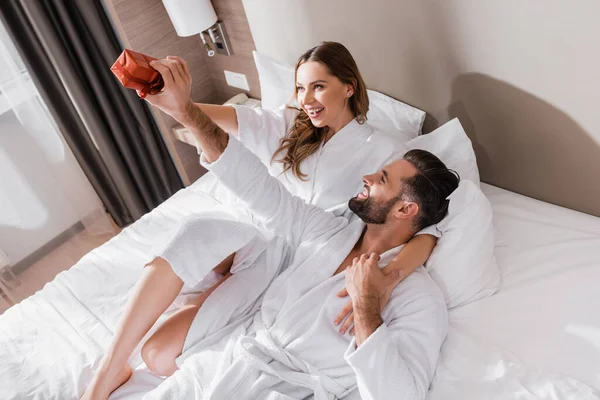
(166, 344)
(224, 266)
(156, 289)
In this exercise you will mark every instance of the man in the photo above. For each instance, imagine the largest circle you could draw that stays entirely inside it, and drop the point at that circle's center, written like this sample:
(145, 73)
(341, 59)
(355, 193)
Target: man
(289, 348)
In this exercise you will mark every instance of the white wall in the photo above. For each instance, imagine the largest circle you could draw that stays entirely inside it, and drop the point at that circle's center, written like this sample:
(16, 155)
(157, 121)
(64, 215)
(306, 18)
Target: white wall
(42, 192)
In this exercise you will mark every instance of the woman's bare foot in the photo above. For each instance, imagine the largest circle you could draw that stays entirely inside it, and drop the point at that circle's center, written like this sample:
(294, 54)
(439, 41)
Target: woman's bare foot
(102, 385)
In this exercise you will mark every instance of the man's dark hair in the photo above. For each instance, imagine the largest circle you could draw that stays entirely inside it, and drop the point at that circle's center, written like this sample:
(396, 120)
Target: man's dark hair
(429, 187)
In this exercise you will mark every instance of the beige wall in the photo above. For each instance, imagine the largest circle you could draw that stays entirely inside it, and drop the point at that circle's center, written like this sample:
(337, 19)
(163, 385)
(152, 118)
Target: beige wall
(144, 26)
(523, 76)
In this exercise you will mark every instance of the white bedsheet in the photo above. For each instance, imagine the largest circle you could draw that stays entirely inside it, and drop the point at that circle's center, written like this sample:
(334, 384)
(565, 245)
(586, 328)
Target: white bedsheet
(50, 342)
(539, 337)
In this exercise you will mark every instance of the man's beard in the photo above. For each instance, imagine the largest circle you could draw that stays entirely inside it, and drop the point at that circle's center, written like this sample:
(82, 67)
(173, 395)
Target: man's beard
(370, 211)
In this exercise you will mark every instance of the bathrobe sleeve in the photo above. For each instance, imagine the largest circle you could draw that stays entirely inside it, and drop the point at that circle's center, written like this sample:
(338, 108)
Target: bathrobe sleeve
(399, 359)
(286, 215)
(261, 130)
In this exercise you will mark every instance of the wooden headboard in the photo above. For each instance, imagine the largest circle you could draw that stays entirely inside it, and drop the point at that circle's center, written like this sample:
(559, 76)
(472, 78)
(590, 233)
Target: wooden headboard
(522, 77)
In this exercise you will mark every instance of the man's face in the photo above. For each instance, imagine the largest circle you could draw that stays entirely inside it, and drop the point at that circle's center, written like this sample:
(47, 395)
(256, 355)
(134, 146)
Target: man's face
(381, 191)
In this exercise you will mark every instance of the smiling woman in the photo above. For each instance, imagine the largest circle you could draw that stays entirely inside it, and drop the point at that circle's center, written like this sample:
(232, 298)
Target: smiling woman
(331, 92)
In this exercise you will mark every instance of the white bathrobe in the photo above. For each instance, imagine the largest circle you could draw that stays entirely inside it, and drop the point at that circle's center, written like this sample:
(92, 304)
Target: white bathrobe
(334, 175)
(290, 348)
(333, 172)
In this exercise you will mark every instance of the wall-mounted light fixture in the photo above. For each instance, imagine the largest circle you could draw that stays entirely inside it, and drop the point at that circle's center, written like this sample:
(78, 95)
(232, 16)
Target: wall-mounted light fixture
(192, 17)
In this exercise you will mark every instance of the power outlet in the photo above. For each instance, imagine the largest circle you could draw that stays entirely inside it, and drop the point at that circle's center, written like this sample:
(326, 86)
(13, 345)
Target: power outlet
(237, 80)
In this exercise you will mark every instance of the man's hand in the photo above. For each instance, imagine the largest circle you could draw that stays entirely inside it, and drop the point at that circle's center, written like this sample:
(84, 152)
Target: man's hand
(175, 98)
(347, 314)
(370, 290)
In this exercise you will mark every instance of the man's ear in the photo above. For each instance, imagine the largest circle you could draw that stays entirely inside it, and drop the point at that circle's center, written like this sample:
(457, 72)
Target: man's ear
(407, 210)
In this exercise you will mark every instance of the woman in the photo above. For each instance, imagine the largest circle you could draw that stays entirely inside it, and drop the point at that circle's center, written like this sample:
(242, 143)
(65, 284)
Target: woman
(318, 151)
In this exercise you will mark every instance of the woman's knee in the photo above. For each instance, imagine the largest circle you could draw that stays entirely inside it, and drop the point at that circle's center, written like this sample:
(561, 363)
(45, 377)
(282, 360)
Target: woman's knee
(158, 358)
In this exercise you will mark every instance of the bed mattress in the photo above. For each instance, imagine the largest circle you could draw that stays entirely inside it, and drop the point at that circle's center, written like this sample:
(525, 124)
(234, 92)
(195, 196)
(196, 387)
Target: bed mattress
(538, 337)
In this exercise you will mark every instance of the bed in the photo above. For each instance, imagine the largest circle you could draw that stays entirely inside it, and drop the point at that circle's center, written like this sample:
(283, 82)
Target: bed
(538, 337)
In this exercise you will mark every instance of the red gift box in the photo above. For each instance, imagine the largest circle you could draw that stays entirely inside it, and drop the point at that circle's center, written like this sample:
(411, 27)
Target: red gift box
(134, 72)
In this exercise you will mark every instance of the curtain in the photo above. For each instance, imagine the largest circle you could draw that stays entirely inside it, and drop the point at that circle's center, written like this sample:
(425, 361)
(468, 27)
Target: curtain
(68, 47)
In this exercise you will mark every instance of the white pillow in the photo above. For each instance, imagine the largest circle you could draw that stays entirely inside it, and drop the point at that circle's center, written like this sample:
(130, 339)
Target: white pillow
(385, 113)
(388, 114)
(276, 81)
(452, 145)
(463, 263)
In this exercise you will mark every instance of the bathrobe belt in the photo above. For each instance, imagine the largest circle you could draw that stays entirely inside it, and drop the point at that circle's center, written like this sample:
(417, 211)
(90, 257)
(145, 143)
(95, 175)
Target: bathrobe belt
(258, 351)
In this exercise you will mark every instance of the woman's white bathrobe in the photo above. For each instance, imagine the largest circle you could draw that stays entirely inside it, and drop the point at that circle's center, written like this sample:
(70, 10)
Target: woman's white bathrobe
(333, 172)
(290, 348)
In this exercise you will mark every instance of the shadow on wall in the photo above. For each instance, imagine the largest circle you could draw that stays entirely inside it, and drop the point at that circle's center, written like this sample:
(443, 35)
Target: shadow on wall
(520, 139)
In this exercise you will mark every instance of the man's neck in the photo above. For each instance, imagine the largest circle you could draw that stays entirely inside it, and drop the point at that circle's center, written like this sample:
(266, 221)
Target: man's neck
(379, 238)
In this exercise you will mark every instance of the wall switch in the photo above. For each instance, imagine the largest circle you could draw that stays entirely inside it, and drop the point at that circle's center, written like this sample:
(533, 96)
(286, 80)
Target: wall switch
(237, 80)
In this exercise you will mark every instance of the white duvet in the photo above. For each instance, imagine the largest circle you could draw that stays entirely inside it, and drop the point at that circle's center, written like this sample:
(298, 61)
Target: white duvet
(50, 342)
(539, 337)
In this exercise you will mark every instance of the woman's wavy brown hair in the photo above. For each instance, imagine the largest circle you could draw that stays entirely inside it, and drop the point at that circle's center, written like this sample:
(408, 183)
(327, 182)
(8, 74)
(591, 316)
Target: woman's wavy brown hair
(303, 138)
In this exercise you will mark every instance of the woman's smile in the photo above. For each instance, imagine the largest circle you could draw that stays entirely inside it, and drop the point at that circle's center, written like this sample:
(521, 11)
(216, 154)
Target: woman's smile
(314, 112)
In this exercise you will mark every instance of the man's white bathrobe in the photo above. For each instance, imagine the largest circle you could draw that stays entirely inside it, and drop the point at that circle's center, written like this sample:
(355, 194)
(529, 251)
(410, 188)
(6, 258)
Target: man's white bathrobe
(290, 348)
(334, 175)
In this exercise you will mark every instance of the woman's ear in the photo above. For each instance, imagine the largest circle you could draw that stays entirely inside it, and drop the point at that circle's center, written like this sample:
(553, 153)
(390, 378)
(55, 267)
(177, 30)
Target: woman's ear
(349, 90)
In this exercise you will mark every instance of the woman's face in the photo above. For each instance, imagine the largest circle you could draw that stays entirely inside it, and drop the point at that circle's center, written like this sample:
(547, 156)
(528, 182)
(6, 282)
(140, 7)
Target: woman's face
(323, 96)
